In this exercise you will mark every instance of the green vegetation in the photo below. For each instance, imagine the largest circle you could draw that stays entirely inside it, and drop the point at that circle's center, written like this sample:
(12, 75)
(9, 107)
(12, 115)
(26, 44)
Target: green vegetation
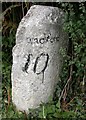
(69, 97)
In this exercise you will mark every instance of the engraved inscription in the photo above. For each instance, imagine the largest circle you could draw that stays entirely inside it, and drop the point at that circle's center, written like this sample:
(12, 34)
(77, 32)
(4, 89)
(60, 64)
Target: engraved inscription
(45, 64)
(35, 68)
(42, 40)
(27, 64)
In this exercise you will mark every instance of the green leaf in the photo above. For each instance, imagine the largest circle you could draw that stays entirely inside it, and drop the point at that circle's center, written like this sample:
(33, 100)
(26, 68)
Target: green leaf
(58, 104)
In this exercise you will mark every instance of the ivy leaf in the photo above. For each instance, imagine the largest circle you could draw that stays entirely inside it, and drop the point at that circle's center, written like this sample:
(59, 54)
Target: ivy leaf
(58, 104)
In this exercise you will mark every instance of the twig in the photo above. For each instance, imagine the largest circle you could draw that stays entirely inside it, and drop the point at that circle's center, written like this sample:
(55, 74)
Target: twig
(70, 77)
(70, 101)
(22, 9)
(8, 97)
(9, 8)
(25, 115)
(64, 91)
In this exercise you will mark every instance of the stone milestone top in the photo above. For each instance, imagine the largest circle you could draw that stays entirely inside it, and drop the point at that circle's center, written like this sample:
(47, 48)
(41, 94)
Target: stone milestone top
(39, 17)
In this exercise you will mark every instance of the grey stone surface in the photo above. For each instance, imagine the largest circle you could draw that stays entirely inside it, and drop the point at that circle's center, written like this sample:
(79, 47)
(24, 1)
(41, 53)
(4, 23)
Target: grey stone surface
(36, 59)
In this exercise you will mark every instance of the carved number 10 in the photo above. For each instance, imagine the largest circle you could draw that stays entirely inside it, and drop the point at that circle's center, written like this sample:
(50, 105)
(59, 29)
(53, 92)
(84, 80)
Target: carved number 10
(25, 68)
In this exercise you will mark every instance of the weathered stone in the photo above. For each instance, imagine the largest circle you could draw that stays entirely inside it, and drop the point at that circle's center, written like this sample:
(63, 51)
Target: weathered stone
(36, 58)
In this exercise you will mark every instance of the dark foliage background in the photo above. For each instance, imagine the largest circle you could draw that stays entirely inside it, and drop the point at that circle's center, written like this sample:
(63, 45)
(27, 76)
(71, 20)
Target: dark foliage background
(69, 97)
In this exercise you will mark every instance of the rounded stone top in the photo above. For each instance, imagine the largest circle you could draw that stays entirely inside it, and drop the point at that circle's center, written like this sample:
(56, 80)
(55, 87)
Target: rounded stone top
(49, 13)
(40, 18)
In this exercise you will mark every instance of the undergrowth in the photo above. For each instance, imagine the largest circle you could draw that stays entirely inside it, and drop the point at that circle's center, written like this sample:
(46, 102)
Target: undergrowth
(69, 98)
